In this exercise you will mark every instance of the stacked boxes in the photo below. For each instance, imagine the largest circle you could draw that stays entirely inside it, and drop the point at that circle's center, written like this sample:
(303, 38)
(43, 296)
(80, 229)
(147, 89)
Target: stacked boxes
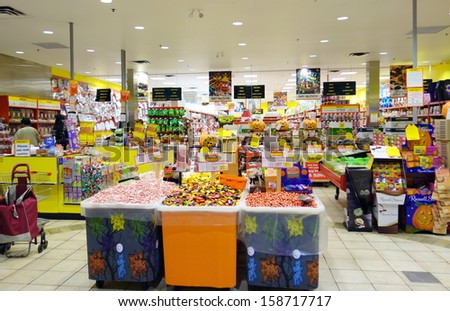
(441, 211)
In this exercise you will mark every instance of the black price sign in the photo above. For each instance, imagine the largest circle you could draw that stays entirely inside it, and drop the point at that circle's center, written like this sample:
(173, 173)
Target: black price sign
(166, 93)
(249, 91)
(103, 95)
(426, 85)
(339, 88)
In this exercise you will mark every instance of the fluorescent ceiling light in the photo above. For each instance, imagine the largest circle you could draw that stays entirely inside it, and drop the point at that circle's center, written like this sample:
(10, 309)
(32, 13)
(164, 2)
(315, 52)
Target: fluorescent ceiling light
(342, 18)
(247, 68)
(158, 78)
(192, 69)
(164, 47)
(305, 66)
(20, 52)
(293, 75)
(87, 72)
(181, 60)
(203, 77)
(313, 55)
(426, 61)
(346, 73)
(251, 81)
(324, 41)
(58, 64)
(139, 27)
(363, 64)
(287, 88)
(338, 79)
(106, 1)
(250, 76)
(90, 50)
(119, 63)
(238, 23)
(244, 58)
(383, 53)
(169, 83)
(291, 80)
(242, 44)
(48, 32)
(384, 78)
(290, 84)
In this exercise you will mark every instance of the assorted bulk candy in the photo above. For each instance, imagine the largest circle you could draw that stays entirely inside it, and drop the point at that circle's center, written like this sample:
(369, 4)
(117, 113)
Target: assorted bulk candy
(203, 194)
(143, 191)
(279, 199)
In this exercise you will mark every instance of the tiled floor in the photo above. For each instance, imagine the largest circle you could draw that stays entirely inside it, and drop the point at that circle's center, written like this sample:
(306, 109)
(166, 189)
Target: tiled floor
(356, 261)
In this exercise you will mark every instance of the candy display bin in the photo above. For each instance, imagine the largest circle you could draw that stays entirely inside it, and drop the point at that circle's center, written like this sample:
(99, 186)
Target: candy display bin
(200, 246)
(123, 243)
(283, 245)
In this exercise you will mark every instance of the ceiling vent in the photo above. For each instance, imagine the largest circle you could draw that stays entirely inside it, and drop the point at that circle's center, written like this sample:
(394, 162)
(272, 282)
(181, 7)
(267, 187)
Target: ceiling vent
(140, 62)
(333, 70)
(358, 54)
(51, 45)
(9, 12)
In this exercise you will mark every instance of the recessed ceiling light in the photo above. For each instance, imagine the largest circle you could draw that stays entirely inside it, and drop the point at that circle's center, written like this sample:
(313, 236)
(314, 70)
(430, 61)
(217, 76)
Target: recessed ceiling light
(383, 53)
(290, 84)
(305, 66)
(342, 18)
(363, 64)
(58, 64)
(287, 88)
(244, 58)
(164, 47)
(169, 83)
(20, 52)
(87, 72)
(242, 44)
(158, 78)
(324, 41)
(384, 77)
(250, 76)
(251, 81)
(106, 1)
(203, 77)
(47, 32)
(192, 69)
(238, 23)
(313, 55)
(181, 60)
(247, 68)
(338, 79)
(293, 75)
(90, 51)
(118, 63)
(291, 80)
(344, 73)
(426, 61)
(139, 27)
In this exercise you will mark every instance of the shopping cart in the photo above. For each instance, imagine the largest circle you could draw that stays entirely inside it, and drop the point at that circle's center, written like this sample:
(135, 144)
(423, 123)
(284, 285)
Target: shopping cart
(19, 213)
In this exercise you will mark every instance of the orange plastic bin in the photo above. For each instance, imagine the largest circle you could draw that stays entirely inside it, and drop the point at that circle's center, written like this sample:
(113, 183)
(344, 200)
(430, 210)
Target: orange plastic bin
(200, 246)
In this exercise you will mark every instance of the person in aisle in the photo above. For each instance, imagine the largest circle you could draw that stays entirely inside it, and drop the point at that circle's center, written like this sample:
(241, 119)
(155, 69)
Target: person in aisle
(28, 132)
(60, 130)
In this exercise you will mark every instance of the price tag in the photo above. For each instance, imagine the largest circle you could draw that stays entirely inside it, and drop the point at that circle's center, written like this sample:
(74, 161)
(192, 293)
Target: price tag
(288, 164)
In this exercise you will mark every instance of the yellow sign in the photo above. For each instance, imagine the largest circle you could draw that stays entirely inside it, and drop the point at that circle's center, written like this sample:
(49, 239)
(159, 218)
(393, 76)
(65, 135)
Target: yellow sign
(254, 142)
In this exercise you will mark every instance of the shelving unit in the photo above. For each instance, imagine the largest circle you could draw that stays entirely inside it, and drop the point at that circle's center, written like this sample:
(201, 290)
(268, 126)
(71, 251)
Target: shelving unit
(40, 112)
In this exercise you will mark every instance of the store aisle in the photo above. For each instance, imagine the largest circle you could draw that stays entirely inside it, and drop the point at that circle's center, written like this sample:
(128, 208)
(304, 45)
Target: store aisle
(353, 261)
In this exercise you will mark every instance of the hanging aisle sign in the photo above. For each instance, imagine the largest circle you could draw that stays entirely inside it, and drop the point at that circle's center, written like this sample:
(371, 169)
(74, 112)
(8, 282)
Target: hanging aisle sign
(220, 86)
(249, 91)
(166, 93)
(103, 95)
(308, 83)
(339, 88)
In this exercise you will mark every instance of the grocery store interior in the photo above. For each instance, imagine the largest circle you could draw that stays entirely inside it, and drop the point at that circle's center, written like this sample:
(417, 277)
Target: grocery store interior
(234, 145)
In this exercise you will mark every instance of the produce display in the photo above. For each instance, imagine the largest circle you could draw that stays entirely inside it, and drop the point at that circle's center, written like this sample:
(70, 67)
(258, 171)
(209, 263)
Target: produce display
(144, 191)
(203, 194)
(279, 199)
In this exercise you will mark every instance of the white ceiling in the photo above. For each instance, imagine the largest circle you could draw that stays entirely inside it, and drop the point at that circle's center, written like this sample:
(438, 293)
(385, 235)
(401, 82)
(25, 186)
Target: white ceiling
(280, 36)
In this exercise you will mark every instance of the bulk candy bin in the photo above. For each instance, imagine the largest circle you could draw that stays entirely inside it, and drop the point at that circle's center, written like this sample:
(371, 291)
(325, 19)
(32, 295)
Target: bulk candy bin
(123, 243)
(283, 245)
(200, 246)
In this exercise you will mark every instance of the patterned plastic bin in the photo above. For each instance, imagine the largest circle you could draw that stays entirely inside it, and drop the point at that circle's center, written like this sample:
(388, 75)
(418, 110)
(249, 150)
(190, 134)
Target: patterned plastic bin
(283, 245)
(123, 243)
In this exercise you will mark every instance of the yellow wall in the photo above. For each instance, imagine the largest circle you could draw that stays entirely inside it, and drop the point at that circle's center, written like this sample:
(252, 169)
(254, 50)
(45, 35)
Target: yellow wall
(92, 81)
(437, 72)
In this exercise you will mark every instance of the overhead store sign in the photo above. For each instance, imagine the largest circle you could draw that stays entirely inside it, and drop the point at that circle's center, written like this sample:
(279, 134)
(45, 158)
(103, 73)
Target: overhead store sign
(103, 95)
(339, 88)
(220, 86)
(249, 91)
(166, 93)
(308, 83)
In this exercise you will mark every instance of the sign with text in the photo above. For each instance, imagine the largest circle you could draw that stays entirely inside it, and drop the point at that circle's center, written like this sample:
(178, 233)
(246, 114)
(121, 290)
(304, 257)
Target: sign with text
(339, 88)
(166, 93)
(22, 148)
(103, 95)
(249, 91)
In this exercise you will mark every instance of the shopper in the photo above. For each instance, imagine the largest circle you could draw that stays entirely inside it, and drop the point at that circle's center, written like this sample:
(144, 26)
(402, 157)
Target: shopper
(28, 132)
(60, 130)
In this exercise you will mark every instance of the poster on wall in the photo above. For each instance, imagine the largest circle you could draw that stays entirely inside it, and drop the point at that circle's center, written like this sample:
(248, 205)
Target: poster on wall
(397, 79)
(279, 101)
(220, 86)
(308, 83)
